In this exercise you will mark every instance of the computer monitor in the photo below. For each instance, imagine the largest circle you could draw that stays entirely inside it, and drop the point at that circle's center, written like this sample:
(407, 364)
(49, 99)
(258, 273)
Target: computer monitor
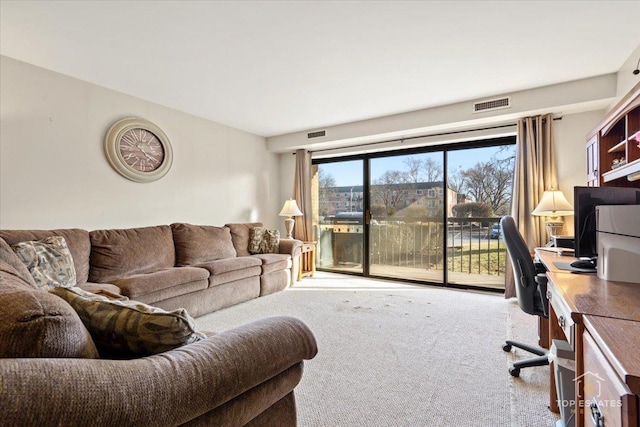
(585, 200)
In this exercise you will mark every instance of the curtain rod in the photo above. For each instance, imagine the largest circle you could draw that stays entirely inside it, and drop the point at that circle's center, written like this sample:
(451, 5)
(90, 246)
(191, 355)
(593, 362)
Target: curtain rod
(417, 137)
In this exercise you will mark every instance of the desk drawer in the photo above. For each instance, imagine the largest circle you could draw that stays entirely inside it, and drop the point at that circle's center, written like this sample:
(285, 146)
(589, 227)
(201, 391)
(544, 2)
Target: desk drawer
(607, 400)
(563, 314)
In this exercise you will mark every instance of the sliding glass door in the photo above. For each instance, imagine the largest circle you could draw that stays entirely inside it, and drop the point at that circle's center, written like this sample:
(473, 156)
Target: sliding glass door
(481, 179)
(339, 216)
(427, 215)
(406, 231)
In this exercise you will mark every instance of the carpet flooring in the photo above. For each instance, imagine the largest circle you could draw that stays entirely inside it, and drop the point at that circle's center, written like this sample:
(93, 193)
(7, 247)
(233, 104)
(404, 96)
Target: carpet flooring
(392, 354)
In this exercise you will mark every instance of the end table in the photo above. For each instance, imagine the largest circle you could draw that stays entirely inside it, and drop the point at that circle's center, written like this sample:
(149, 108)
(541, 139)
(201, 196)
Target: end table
(307, 265)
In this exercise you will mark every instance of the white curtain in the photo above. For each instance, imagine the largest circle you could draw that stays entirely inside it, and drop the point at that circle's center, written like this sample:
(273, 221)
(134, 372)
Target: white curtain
(535, 172)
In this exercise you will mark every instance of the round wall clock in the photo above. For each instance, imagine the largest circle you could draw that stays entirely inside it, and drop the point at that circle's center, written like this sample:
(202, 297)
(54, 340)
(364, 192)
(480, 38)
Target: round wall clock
(138, 150)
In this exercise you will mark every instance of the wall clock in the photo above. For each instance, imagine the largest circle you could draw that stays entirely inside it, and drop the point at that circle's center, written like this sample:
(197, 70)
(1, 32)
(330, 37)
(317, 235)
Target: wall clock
(138, 150)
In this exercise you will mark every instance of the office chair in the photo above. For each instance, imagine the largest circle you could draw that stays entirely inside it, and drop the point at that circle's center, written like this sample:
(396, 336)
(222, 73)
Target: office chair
(531, 290)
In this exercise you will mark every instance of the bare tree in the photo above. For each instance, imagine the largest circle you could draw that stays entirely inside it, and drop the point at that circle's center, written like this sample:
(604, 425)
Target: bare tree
(432, 170)
(490, 182)
(326, 190)
(387, 190)
(414, 165)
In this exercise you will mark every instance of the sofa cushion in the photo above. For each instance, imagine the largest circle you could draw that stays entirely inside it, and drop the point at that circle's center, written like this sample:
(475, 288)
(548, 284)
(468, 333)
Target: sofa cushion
(231, 264)
(196, 244)
(240, 236)
(264, 241)
(34, 323)
(170, 282)
(119, 253)
(130, 328)
(273, 262)
(77, 241)
(49, 261)
(18, 268)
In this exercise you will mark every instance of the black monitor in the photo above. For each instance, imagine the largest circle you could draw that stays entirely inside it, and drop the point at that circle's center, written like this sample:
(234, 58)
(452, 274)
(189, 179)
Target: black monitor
(585, 200)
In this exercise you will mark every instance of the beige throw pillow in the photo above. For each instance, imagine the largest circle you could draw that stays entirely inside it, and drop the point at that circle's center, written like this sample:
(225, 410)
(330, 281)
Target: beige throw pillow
(264, 241)
(49, 261)
(130, 327)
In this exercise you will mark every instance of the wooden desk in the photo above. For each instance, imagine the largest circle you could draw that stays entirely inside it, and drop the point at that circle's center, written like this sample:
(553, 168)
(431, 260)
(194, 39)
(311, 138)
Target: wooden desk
(600, 319)
(307, 265)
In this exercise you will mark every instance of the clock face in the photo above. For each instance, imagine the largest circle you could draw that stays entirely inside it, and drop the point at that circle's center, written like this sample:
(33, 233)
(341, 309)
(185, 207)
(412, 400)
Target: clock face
(141, 150)
(138, 149)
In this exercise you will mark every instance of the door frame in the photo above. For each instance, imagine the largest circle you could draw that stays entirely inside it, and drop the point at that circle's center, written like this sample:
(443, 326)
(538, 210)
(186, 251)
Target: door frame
(366, 186)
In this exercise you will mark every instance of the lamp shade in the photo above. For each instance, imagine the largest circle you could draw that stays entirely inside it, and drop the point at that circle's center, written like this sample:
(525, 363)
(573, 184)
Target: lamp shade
(553, 203)
(290, 208)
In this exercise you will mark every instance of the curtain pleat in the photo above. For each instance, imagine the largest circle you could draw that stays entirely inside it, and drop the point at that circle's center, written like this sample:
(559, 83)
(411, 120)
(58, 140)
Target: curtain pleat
(535, 172)
(302, 194)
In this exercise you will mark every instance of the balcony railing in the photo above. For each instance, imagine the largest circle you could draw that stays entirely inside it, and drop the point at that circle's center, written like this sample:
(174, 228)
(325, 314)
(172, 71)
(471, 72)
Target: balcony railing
(474, 246)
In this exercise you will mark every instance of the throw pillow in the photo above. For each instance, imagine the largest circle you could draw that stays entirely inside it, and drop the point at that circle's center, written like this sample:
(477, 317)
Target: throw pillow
(130, 328)
(49, 261)
(264, 241)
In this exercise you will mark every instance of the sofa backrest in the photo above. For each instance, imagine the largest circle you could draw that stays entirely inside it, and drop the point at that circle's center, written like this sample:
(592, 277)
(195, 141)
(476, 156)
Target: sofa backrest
(197, 244)
(17, 267)
(240, 236)
(119, 253)
(77, 241)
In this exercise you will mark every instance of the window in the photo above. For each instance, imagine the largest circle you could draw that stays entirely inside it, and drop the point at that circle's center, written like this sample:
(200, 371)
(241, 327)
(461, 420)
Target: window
(431, 193)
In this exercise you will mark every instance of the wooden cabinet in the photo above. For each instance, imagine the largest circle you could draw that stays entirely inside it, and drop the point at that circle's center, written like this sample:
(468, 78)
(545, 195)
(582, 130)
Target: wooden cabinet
(613, 146)
(610, 382)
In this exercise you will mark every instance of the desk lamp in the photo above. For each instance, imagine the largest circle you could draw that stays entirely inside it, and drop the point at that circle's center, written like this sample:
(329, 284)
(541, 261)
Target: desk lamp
(290, 209)
(553, 206)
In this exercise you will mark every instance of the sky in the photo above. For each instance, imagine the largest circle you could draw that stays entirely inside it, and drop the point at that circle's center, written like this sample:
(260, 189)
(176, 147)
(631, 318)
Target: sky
(350, 173)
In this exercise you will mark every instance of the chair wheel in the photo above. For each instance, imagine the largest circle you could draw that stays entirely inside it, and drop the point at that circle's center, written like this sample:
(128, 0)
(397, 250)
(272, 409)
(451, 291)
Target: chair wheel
(506, 347)
(515, 372)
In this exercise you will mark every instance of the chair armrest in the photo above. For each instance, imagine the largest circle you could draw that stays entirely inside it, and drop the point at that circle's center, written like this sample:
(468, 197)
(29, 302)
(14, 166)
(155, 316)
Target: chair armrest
(542, 280)
(540, 268)
(165, 389)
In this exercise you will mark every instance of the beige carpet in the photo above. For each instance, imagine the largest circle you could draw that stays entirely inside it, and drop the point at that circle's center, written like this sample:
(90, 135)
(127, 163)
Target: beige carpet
(393, 354)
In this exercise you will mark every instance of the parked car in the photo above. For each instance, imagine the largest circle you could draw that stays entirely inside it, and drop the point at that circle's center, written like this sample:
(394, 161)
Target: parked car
(495, 232)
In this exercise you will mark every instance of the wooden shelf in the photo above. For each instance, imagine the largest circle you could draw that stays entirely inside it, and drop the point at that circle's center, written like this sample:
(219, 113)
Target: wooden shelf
(622, 171)
(614, 140)
(618, 147)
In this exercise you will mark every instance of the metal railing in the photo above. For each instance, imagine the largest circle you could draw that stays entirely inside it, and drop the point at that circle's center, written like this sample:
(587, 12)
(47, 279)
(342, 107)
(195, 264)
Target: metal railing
(473, 245)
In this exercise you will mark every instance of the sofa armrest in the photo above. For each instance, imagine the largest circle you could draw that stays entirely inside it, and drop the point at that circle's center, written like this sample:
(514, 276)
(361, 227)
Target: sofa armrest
(291, 247)
(165, 389)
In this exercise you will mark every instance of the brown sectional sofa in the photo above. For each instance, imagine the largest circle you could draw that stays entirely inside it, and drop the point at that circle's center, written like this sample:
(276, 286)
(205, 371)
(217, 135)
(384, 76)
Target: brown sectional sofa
(245, 376)
(199, 268)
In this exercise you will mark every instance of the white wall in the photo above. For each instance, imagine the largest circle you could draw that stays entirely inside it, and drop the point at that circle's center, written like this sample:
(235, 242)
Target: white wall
(626, 79)
(570, 137)
(54, 174)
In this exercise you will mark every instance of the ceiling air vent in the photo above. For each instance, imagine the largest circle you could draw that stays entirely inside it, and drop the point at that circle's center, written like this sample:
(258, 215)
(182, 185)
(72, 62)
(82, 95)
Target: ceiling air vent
(316, 134)
(492, 104)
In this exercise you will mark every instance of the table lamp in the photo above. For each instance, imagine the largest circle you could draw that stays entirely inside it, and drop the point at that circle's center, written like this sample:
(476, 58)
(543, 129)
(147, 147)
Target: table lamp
(290, 209)
(553, 206)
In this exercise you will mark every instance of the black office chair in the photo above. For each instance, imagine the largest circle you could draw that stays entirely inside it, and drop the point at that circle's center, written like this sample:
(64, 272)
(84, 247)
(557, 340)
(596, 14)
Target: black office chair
(531, 289)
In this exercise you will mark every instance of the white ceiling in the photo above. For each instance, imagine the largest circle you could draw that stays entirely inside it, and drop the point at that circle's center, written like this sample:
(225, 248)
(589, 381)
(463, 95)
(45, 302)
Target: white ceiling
(275, 67)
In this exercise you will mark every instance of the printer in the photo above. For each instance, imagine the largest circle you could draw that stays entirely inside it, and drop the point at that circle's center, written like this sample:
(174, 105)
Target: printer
(618, 241)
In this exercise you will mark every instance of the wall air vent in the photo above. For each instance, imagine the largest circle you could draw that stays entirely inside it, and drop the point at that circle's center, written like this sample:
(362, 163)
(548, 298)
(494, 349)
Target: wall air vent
(316, 134)
(492, 104)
